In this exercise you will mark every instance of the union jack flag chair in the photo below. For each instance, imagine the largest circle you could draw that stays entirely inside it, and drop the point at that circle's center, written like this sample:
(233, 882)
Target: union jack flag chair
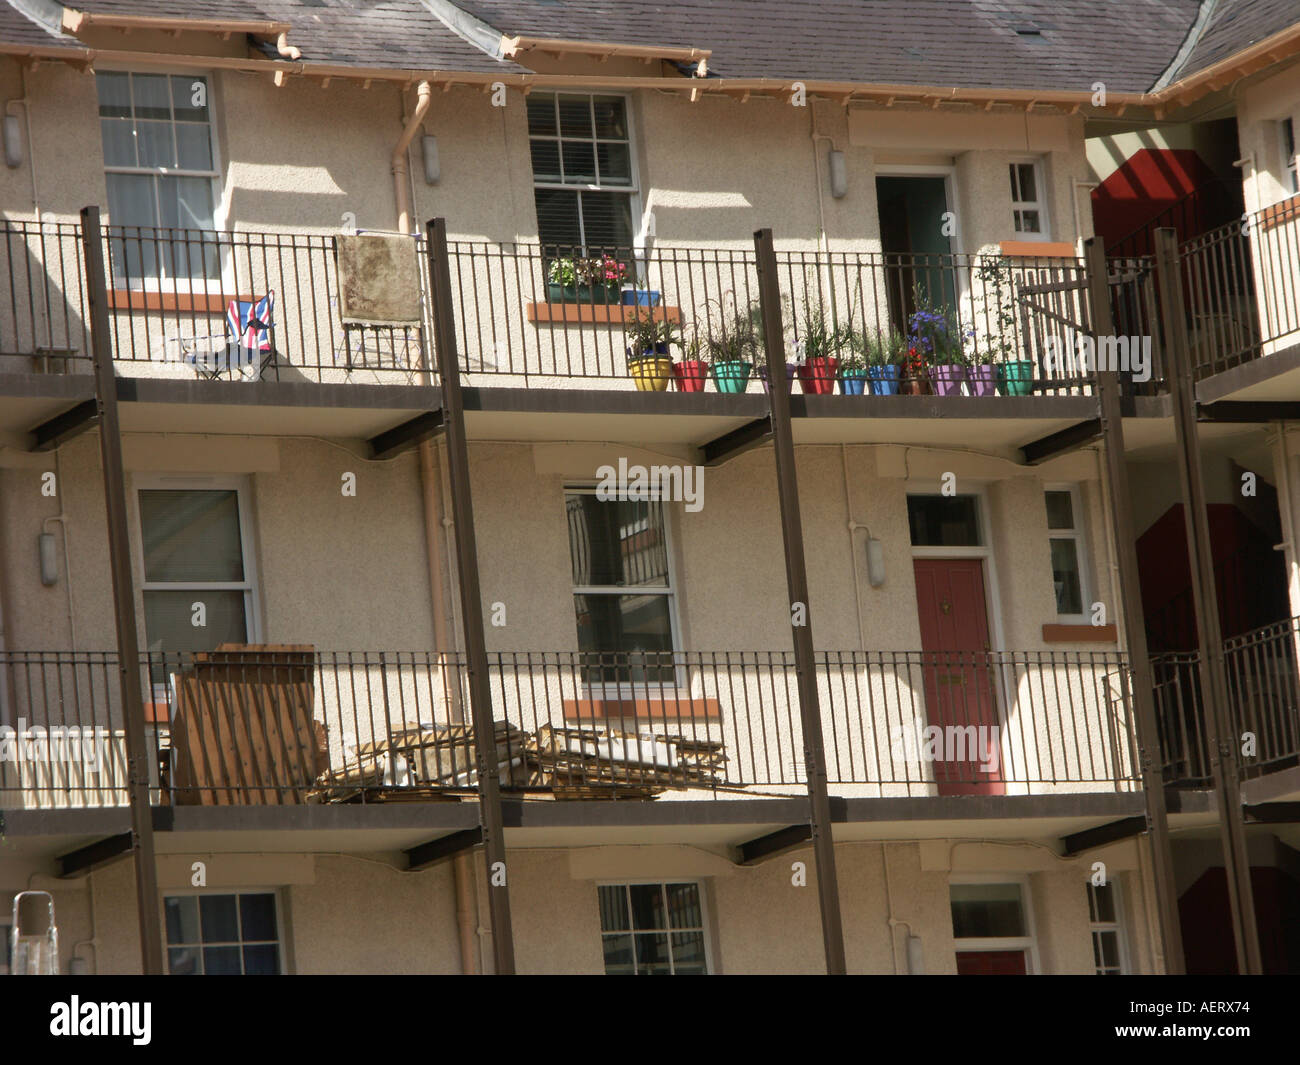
(247, 346)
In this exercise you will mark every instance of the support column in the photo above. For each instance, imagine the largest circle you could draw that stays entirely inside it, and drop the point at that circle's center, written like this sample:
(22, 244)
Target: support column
(1150, 759)
(1214, 682)
(480, 692)
(119, 551)
(787, 485)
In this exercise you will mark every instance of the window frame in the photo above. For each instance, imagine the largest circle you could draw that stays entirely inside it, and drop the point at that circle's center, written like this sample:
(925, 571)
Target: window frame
(1028, 942)
(198, 483)
(166, 283)
(661, 882)
(633, 190)
(1077, 533)
(1117, 926)
(1044, 234)
(275, 892)
(629, 689)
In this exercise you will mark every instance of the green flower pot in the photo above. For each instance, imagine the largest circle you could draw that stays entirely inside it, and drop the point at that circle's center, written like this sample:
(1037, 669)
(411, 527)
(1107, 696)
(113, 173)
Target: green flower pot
(732, 376)
(1016, 378)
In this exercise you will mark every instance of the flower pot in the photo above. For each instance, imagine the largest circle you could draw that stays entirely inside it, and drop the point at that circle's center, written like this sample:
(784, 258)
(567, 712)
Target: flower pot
(914, 386)
(948, 379)
(983, 379)
(1016, 378)
(884, 380)
(609, 293)
(731, 376)
(817, 375)
(853, 382)
(690, 375)
(651, 372)
(640, 297)
(790, 370)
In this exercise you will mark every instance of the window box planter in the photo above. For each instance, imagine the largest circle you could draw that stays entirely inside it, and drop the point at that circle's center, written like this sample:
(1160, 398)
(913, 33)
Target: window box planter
(690, 375)
(948, 378)
(732, 376)
(817, 375)
(611, 293)
(1016, 378)
(853, 382)
(884, 380)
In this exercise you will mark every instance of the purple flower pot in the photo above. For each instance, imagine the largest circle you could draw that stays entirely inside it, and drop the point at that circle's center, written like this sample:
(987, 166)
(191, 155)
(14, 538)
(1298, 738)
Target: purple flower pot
(983, 379)
(790, 369)
(948, 379)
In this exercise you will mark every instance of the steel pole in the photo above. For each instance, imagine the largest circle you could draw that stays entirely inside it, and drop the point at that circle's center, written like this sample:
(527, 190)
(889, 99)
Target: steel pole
(796, 574)
(1150, 756)
(1205, 602)
(119, 553)
(462, 509)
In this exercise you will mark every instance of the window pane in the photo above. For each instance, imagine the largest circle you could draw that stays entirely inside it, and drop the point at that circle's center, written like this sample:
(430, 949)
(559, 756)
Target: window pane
(185, 202)
(615, 163)
(611, 116)
(579, 162)
(1026, 180)
(1065, 577)
(986, 911)
(613, 908)
(1060, 510)
(119, 142)
(193, 147)
(541, 115)
(617, 542)
(652, 956)
(262, 959)
(153, 98)
(618, 955)
(257, 917)
(183, 961)
(575, 116)
(221, 961)
(155, 145)
(191, 535)
(944, 521)
(684, 906)
(636, 626)
(546, 162)
(647, 902)
(688, 954)
(182, 919)
(131, 202)
(557, 220)
(169, 620)
(607, 220)
(1027, 222)
(1102, 901)
(185, 87)
(114, 95)
(218, 918)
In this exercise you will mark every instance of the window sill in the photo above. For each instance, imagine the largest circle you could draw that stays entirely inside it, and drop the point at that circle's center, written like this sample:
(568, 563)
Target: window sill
(668, 709)
(1280, 213)
(597, 313)
(1038, 249)
(135, 299)
(1057, 633)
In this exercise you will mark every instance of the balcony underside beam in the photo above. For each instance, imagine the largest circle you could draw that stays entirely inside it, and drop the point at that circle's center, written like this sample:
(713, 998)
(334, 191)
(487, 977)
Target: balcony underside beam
(1048, 447)
(1238, 411)
(444, 849)
(407, 435)
(1273, 813)
(63, 427)
(94, 855)
(1125, 828)
(729, 445)
(769, 846)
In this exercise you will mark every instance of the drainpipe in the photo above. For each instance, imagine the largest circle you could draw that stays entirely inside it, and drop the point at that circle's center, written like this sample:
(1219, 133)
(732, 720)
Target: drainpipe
(435, 551)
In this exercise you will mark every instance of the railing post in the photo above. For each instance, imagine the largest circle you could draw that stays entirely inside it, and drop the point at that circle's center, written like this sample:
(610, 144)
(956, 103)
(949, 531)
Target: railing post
(1150, 759)
(797, 581)
(119, 551)
(462, 506)
(1205, 600)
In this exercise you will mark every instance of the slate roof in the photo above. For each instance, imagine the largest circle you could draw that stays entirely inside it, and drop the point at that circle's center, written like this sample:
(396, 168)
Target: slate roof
(17, 28)
(1234, 25)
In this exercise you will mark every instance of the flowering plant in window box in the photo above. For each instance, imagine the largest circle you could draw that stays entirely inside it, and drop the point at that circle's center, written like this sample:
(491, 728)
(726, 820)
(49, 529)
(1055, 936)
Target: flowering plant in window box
(578, 280)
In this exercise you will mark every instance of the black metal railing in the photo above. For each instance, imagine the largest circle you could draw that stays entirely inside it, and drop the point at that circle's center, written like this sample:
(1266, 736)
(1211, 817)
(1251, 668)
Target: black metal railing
(294, 725)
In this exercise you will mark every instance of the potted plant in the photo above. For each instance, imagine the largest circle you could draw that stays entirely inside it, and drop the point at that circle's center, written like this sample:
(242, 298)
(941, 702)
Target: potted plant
(648, 339)
(937, 338)
(822, 345)
(693, 371)
(1010, 375)
(577, 280)
(853, 372)
(733, 349)
(884, 354)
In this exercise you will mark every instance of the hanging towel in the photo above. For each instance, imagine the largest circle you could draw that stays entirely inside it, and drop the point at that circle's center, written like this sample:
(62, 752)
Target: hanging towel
(379, 279)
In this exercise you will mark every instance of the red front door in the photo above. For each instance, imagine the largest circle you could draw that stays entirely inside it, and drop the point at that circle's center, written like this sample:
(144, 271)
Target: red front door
(959, 686)
(991, 963)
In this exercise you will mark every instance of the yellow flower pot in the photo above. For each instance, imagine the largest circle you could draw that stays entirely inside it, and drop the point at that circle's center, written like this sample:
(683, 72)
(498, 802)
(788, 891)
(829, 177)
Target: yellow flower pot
(651, 375)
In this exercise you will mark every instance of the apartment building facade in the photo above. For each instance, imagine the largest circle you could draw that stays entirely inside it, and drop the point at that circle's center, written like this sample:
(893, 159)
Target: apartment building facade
(264, 172)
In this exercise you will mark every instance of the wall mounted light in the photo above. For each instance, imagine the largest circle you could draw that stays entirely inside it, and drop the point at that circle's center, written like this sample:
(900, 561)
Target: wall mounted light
(13, 138)
(429, 147)
(49, 560)
(875, 561)
(838, 173)
(915, 959)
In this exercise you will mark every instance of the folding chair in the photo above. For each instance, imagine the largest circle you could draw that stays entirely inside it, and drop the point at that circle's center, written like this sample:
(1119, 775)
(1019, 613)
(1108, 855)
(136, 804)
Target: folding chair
(246, 346)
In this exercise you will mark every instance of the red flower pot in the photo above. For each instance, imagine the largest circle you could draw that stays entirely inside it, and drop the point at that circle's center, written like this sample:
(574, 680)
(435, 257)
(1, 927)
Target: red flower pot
(691, 375)
(817, 375)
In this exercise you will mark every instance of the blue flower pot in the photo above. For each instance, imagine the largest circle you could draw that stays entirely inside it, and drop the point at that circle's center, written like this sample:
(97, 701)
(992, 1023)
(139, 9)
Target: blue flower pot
(853, 382)
(641, 297)
(884, 380)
